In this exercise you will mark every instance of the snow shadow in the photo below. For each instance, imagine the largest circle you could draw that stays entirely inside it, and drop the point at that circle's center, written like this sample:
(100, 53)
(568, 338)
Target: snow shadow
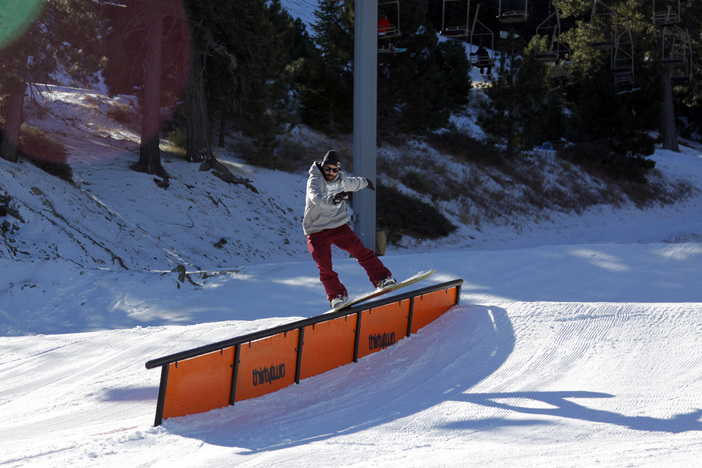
(447, 357)
(130, 394)
(561, 405)
(111, 300)
(645, 273)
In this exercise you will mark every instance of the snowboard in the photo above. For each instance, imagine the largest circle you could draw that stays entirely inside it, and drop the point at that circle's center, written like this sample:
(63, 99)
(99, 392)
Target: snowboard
(379, 292)
(394, 50)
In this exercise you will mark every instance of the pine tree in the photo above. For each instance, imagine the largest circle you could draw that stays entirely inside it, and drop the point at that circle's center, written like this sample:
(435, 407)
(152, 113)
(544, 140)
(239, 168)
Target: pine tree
(147, 45)
(420, 88)
(269, 81)
(417, 90)
(61, 37)
(539, 112)
(688, 97)
(650, 104)
(499, 116)
(326, 100)
(245, 50)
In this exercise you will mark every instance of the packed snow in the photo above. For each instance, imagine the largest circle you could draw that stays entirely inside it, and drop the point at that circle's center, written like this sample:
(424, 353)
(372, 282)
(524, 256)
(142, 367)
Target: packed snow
(577, 341)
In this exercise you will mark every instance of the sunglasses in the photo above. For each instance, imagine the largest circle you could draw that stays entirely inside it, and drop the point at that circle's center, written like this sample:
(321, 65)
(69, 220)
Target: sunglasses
(331, 169)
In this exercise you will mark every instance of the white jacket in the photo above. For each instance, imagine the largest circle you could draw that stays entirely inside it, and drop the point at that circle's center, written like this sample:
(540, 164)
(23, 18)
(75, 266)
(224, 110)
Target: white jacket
(320, 211)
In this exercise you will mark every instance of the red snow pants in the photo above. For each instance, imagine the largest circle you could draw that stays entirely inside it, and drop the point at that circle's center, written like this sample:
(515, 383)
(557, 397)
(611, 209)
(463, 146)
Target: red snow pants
(319, 245)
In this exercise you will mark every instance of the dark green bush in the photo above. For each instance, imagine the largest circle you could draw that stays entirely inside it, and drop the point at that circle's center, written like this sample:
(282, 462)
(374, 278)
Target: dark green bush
(45, 152)
(121, 113)
(601, 160)
(417, 181)
(178, 138)
(399, 214)
(638, 144)
(464, 147)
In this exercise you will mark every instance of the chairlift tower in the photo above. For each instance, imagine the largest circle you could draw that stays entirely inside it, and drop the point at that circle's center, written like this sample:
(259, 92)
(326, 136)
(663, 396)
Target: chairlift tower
(365, 103)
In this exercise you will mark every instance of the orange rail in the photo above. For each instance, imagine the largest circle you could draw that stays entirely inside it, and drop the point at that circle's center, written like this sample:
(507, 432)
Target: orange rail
(217, 375)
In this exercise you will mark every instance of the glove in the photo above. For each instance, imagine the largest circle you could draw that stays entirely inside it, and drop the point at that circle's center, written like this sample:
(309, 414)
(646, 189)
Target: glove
(370, 184)
(338, 197)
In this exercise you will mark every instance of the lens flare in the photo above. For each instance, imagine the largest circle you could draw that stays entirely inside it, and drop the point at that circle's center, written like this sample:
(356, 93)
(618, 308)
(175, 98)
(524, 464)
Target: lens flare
(16, 16)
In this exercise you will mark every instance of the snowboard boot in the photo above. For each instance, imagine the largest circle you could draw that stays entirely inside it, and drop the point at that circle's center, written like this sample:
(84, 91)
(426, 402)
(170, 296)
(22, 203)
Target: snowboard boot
(338, 301)
(384, 283)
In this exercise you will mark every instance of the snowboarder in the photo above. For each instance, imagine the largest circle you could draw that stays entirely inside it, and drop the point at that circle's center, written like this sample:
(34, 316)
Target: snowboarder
(384, 26)
(325, 224)
(558, 74)
(483, 62)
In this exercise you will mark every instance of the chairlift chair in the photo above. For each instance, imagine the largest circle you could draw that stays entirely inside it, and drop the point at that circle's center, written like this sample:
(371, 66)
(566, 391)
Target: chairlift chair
(677, 53)
(622, 57)
(676, 45)
(482, 37)
(550, 28)
(560, 75)
(666, 12)
(681, 76)
(512, 11)
(389, 19)
(681, 73)
(455, 18)
(603, 26)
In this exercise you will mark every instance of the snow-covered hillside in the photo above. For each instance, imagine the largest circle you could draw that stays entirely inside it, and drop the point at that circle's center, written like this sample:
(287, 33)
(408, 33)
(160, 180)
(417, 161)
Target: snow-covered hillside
(575, 344)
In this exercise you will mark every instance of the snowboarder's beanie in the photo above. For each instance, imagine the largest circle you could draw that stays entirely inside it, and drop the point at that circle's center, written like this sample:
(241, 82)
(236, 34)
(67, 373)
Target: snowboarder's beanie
(331, 159)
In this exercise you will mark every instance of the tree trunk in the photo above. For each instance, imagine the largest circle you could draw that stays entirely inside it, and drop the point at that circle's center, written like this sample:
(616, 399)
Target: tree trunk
(669, 131)
(511, 137)
(198, 128)
(199, 147)
(9, 147)
(222, 129)
(149, 152)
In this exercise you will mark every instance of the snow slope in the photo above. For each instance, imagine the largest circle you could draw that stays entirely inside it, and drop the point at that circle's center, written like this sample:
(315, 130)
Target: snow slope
(573, 356)
(576, 342)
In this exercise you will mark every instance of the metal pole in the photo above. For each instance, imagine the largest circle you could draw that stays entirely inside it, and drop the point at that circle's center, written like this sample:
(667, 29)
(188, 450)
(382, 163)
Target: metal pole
(365, 94)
